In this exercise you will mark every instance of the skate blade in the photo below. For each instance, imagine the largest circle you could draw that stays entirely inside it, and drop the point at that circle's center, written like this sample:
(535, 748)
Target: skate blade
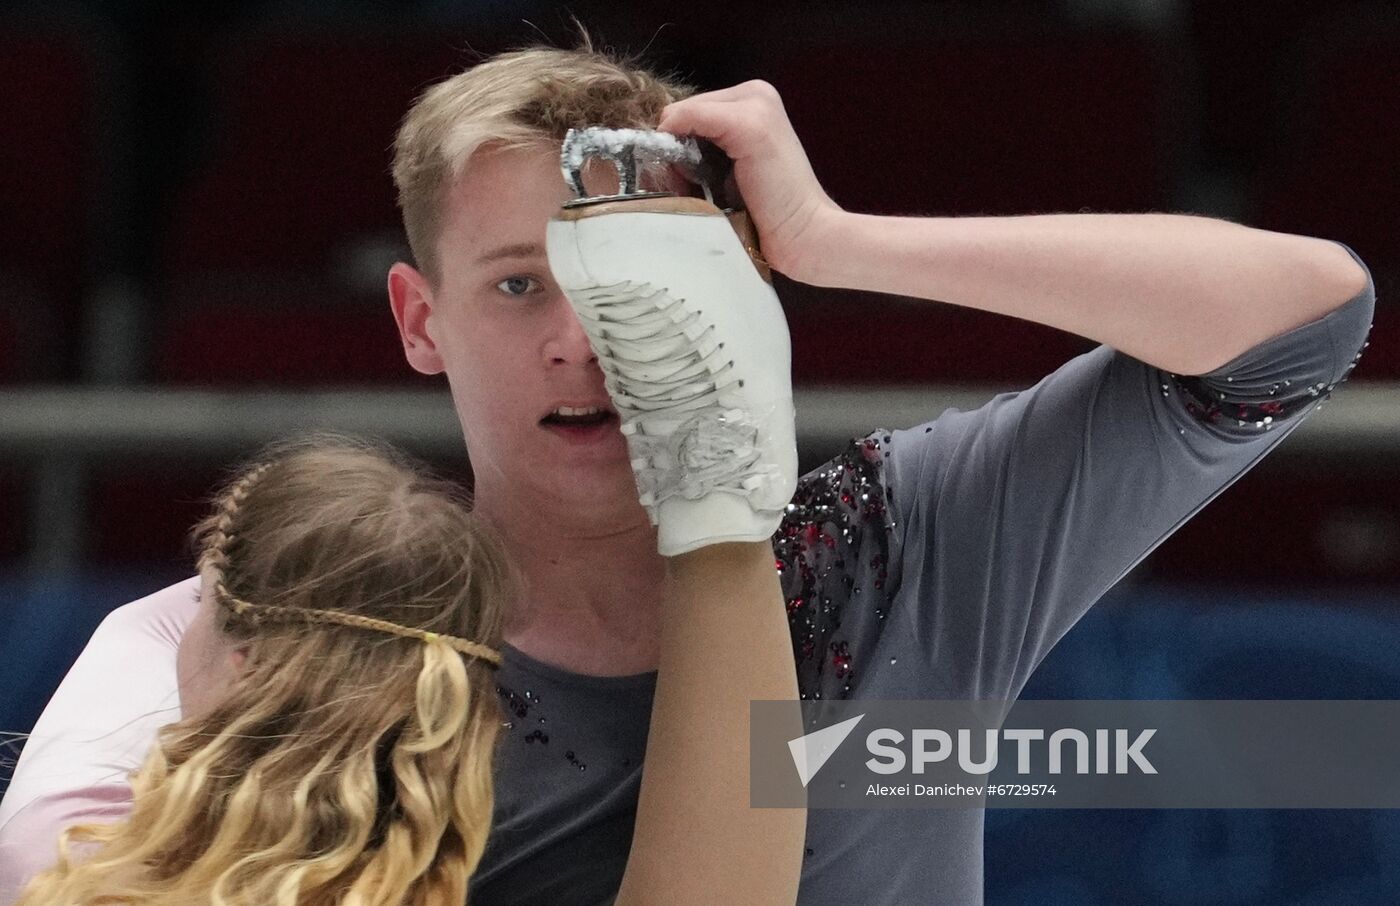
(629, 150)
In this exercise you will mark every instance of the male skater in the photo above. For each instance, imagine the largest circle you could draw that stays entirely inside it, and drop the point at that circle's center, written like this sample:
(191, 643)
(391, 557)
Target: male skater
(939, 561)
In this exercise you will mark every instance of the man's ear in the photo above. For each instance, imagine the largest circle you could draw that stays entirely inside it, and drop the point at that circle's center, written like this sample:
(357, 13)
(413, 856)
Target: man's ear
(411, 298)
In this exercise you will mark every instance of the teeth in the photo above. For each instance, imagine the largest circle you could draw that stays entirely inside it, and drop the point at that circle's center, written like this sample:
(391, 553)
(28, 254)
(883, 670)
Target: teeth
(569, 410)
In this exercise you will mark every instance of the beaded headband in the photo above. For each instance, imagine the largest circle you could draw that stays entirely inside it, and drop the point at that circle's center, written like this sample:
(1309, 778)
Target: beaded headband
(272, 612)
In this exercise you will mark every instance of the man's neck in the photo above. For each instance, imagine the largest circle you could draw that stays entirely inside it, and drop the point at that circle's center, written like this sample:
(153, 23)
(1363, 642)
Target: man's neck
(591, 590)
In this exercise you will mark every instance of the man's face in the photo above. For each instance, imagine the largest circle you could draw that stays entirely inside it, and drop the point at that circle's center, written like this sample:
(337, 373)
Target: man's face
(510, 344)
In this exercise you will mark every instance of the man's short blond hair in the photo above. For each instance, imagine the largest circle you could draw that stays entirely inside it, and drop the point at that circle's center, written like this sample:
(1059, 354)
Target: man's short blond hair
(519, 99)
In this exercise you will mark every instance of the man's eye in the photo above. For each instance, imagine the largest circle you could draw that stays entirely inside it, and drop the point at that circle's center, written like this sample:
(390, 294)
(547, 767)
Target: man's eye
(519, 286)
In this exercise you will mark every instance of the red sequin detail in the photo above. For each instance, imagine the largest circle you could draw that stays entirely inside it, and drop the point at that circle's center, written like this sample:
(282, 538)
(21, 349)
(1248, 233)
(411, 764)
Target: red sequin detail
(1205, 404)
(838, 518)
(841, 658)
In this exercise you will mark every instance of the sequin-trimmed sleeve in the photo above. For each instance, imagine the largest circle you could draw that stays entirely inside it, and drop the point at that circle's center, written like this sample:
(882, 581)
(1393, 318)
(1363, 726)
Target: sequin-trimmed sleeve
(1272, 382)
(1014, 518)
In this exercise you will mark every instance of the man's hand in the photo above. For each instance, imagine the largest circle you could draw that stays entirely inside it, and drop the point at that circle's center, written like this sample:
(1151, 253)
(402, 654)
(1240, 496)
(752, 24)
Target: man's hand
(785, 202)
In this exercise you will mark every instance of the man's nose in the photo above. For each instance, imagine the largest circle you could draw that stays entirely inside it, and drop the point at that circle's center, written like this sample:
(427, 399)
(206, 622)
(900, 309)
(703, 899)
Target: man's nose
(568, 343)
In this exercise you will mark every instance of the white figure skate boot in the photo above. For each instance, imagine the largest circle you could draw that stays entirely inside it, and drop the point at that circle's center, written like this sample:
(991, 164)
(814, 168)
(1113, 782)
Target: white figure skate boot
(693, 345)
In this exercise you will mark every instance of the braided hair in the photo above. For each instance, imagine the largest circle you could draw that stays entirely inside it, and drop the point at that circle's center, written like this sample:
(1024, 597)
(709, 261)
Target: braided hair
(348, 762)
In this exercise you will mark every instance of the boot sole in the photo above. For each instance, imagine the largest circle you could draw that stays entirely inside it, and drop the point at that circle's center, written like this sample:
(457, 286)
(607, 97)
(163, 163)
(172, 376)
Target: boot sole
(678, 204)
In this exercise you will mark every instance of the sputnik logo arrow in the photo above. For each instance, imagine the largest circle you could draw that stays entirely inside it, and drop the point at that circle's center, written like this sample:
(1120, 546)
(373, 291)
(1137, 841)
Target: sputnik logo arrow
(810, 752)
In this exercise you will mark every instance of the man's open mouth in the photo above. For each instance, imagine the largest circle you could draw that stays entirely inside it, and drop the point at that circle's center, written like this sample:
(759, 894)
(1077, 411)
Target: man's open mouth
(588, 420)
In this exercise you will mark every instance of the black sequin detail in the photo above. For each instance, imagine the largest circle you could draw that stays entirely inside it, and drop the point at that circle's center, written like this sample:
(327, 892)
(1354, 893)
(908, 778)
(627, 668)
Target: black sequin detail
(1215, 407)
(513, 702)
(838, 520)
(517, 708)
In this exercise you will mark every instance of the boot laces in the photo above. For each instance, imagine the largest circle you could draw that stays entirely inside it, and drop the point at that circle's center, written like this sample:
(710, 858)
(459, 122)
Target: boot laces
(677, 392)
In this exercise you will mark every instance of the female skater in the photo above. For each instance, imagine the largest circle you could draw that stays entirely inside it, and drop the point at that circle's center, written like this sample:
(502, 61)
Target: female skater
(340, 711)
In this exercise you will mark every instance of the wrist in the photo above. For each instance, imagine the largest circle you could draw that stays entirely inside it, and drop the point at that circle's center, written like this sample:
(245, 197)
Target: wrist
(720, 567)
(728, 558)
(817, 251)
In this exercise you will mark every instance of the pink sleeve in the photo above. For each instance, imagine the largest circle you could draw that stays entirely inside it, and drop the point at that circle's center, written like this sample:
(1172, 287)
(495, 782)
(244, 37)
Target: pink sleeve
(94, 732)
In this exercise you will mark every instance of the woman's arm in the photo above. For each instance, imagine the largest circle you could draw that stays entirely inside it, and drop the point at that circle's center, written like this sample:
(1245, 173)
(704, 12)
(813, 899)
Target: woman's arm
(694, 348)
(97, 727)
(724, 642)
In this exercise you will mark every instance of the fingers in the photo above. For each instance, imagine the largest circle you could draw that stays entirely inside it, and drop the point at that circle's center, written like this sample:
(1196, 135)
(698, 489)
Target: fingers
(726, 124)
(754, 88)
(737, 119)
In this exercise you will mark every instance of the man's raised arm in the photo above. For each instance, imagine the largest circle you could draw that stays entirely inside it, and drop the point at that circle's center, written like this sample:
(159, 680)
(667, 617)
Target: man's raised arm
(1184, 293)
(1013, 518)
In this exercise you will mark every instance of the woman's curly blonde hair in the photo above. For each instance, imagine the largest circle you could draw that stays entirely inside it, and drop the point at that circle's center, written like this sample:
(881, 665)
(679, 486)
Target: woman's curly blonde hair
(345, 766)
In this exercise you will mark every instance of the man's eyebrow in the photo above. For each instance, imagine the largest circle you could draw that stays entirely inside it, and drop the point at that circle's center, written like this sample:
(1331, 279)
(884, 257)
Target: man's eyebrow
(517, 250)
